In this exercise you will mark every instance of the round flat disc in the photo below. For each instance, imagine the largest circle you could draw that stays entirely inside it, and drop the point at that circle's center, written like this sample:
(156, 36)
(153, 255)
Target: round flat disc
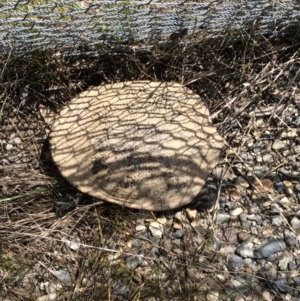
(146, 145)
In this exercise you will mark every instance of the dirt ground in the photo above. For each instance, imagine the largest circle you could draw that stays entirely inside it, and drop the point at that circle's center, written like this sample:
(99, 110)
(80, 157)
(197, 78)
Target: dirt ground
(48, 227)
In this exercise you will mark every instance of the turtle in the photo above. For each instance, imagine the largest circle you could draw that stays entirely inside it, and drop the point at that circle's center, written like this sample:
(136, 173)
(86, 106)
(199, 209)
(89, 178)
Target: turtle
(141, 144)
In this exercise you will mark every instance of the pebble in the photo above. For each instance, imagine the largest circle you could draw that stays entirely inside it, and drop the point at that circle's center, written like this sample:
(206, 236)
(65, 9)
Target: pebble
(281, 285)
(295, 223)
(120, 289)
(49, 297)
(297, 187)
(222, 218)
(269, 247)
(236, 211)
(9, 147)
(191, 214)
(212, 296)
(63, 275)
(278, 145)
(288, 187)
(133, 261)
(140, 227)
(156, 229)
(16, 140)
(279, 187)
(277, 220)
(245, 249)
(268, 158)
(240, 181)
(235, 262)
(179, 233)
(261, 171)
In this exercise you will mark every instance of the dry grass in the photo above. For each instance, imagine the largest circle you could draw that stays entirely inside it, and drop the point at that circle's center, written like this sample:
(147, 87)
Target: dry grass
(230, 74)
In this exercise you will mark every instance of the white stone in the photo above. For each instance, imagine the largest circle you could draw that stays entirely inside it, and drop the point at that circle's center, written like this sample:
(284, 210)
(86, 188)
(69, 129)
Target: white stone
(237, 211)
(212, 296)
(156, 229)
(140, 227)
(9, 147)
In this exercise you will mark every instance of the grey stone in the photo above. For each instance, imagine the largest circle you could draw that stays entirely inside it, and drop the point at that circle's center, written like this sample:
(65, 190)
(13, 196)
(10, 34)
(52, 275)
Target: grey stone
(278, 145)
(297, 280)
(224, 203)
(245, 222)
(179, 233)
(292, 266)
(279, 187)
(63, 275)
(261, 171)
(297, 187)
(257, 147)
(222, 218)
(235, 262)
(277, 220)
(245, 249)
(133, 261)
(156, 229)
(281, 285)
(289, 239)
(295, 223)
(269, 247)
(268, 158)
(120, 289)
(284, 261)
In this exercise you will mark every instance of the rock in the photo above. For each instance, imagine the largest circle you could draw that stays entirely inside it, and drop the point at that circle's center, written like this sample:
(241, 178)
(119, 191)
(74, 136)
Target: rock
(9, 147)
(289, 239)
(284, 261)
(225, 204)
(16, 140)
(237, 211)
(269, 247)
(133, 261)
(140, 227)
(281, 285)
(277, 220)
(297, 187)
(258, 147)
(278, 145)
(191, 213)
(289, 174)
(49, 297)
(245, 249)
(63, 275)
(240, 181)
(295, 223)
(285, 202)
(156, 229)
(261, 171)
(120, 289)
(222, 218)
(266, 296)
(162, 220)
(288, 187)
(279, 187)
(212, 296)
(235, 262)
(268, 158)
(179, 233)
(243, 235)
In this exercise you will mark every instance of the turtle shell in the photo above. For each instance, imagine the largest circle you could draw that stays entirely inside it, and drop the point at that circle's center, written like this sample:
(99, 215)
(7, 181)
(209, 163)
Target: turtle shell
(141, 144)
